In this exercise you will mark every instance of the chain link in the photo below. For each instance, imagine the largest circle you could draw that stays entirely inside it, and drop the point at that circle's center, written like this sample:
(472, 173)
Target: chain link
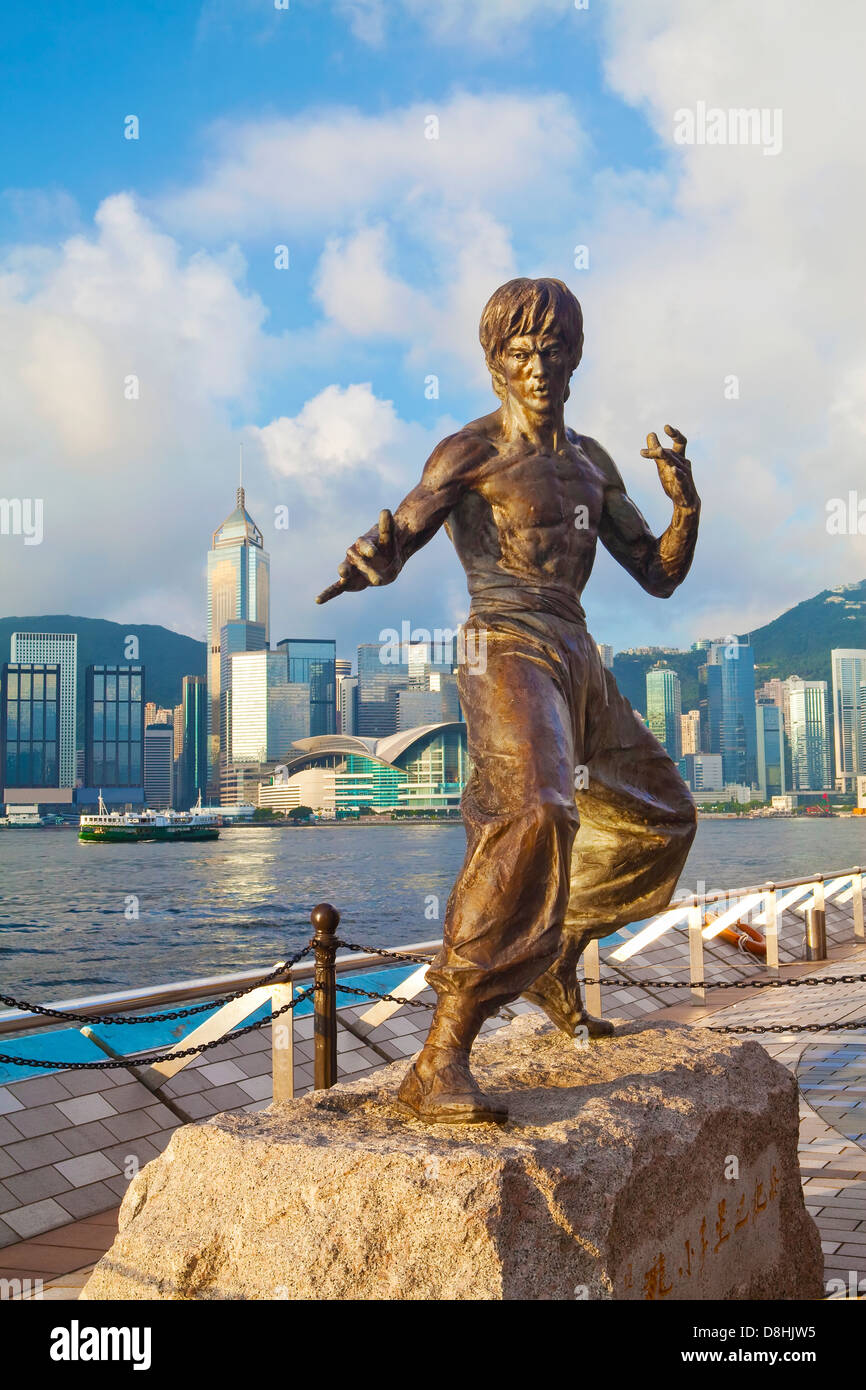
(387, 955)
(388, 998)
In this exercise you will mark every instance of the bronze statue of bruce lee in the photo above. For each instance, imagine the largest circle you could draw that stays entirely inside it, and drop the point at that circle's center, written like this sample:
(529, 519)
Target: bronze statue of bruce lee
(548, 867)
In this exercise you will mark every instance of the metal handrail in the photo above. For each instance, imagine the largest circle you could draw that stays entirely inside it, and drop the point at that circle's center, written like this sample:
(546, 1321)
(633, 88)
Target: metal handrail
(698, 899)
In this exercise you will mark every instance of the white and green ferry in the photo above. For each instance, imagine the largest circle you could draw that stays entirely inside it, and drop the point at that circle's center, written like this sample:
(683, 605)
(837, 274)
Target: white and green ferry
(125, 827)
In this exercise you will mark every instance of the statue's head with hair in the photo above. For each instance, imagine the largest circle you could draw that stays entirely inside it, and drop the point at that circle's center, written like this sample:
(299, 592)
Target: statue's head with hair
(523, 307)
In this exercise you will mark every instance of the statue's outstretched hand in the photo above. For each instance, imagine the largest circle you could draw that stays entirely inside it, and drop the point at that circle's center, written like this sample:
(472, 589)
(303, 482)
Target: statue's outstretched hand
(675, 471)
(371, 560)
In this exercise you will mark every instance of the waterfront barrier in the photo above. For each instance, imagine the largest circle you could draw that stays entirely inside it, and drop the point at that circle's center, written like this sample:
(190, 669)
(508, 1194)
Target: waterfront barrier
(318, 972)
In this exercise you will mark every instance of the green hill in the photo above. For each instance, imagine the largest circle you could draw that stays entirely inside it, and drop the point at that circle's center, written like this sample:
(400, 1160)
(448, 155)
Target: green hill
(167, 656)
(798, 643)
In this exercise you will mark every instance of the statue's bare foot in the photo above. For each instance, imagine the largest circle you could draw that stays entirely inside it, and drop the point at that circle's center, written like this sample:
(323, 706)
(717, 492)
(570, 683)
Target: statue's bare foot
(440, 1089)
(564, 1007)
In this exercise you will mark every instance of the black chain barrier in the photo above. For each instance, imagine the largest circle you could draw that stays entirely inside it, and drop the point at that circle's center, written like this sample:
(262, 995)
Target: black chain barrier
(731, 984)
(789, 1027)
(280, 970)
(217, 1003)
(135, 1061)
(753, 984)
(139, 1061)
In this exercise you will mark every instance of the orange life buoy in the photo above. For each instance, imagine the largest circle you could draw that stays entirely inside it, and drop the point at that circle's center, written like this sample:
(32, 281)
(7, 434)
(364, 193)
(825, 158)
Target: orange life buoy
(747, 938)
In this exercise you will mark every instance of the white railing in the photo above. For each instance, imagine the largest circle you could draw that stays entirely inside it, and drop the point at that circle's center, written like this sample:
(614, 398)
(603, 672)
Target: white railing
(762, 904)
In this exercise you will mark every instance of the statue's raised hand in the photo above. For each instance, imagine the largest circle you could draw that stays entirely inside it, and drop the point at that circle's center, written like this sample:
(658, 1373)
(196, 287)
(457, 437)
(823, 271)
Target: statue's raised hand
(675, 471)
(373, 559)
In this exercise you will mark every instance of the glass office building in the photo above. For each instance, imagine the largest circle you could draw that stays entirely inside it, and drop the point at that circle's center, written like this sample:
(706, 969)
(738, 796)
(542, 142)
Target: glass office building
(728, 703)
(772, 779)
(386, 668)
(49, 649)
(664, 707)
(268, 712)
(376, 698)
(114, 726)
(159, 766)
(239, 635)
(31, 726)
(313, 662)
(808, 735)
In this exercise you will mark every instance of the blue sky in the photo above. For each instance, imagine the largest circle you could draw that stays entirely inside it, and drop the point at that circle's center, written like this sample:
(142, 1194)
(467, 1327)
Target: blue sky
(305, 127)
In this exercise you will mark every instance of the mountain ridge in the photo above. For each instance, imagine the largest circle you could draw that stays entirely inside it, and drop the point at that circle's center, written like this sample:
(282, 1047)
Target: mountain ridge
(796, 643)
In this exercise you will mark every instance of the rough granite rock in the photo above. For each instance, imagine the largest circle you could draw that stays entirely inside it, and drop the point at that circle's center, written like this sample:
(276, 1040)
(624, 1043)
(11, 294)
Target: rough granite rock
(661, 1163)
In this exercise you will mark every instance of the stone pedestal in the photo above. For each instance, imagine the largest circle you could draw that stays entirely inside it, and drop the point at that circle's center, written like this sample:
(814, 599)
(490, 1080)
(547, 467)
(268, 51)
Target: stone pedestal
(660, 1164)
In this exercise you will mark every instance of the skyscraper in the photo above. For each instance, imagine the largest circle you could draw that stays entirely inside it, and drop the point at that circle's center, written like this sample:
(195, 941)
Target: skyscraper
(312, 662)
(606, 654)
(114, 729)
(238, 587)
(849, 673)
(60, 649)
(159, 766)
(730, 706)
(268, 712)
(436, 702)
(664, 707)
(342, 669)
(806, 714)
(769, 726)
(193, 761)
(378, 683)
(239, 635)
(349, 705)
(177, 725)
(29, 725)
(386, 668)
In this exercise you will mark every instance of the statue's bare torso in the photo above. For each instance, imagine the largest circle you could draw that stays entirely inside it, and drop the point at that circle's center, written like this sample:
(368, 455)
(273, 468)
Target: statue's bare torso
(526, 517)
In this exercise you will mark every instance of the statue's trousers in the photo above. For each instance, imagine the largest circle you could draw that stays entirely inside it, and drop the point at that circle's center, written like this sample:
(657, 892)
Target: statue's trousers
(578, 822)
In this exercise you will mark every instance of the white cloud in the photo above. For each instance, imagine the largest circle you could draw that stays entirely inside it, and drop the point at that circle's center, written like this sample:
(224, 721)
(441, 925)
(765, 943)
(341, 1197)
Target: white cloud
(336, 464)
(470, 252)
(336, 166)
(492, 23)
(358, 292)
(123, 480)
(336, 434)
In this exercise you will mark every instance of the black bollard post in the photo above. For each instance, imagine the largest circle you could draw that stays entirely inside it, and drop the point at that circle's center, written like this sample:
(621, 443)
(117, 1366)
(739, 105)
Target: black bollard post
(325, 919)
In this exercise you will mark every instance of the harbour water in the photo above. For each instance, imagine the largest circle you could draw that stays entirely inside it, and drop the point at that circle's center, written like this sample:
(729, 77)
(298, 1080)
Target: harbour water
(79, 919)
